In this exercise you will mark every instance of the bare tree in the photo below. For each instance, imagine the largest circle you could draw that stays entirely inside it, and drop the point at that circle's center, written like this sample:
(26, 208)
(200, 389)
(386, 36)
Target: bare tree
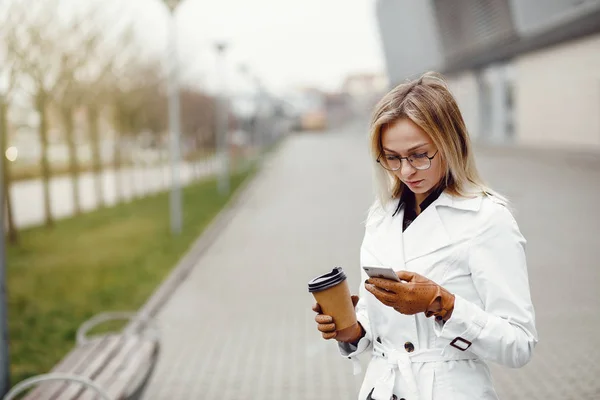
(7, 86)
(58, 60)
(198, 118)
(32, 47)
(100, 88)
(88, 62)
(94, 112)
(13, 236)
(89, 79)
(139, 85)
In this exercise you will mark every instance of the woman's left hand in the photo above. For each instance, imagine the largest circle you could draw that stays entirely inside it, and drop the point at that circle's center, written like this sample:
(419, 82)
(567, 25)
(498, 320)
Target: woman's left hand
(413, 295)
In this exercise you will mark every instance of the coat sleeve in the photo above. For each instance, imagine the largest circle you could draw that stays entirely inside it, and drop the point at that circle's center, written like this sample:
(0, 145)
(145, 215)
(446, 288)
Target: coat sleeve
(365, 343)
(350, 350)
(504, 330)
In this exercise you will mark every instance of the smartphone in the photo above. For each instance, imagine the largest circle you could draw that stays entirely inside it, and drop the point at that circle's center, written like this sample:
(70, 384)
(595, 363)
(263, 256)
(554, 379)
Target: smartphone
(381, 272)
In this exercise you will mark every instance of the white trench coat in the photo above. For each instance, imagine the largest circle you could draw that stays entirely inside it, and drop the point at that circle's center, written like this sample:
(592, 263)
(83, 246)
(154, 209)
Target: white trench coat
(474, 249)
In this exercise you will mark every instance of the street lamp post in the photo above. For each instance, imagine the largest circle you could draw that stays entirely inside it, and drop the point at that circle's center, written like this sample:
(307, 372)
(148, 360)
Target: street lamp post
(4, 364)
(222, 122)
(262, 114)
(250, 123)
(175, 201)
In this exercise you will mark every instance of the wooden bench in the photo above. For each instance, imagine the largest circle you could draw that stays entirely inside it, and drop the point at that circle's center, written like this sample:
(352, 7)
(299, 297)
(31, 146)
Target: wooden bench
(112, 366)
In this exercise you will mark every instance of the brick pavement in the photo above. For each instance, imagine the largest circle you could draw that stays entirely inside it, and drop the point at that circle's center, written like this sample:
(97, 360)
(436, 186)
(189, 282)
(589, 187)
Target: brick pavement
(556, 205)
(240, 326)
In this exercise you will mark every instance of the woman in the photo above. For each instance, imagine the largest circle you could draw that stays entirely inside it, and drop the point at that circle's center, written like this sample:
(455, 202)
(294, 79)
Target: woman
(464, 297)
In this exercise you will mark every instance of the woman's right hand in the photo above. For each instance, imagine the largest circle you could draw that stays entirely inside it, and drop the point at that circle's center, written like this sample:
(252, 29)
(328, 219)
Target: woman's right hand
(326, 326)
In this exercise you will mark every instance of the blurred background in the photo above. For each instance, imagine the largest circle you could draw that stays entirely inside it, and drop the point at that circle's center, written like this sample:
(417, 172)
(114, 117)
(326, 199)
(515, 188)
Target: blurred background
(517, 67)
(135, 133)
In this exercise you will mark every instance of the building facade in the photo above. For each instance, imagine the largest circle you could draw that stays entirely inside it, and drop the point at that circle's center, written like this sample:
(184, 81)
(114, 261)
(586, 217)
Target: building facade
(523, 71)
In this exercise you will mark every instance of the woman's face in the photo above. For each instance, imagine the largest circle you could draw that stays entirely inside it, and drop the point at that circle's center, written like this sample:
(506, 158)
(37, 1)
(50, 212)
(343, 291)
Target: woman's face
(404, 138)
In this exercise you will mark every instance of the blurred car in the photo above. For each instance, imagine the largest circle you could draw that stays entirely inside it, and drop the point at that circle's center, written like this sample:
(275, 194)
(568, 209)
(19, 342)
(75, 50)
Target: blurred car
(314, 120)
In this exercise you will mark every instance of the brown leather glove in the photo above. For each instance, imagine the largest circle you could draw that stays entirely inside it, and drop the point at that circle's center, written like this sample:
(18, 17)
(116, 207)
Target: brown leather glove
(327, 327)
(414, 295)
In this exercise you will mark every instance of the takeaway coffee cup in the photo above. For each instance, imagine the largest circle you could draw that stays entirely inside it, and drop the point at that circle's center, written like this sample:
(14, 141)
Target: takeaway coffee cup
(333, 295)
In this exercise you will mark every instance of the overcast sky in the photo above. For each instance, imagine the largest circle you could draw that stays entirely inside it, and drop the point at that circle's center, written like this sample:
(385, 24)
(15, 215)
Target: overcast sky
(286, 43)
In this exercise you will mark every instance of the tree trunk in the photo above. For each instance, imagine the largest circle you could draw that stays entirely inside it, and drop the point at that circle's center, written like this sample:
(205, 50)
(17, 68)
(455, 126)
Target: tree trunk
(131, 165)
(42, 101)
(69, 125)
(13, 235)
(119, 190)
(164, 162)
(131, 160)
(119, 194)
(94, 120)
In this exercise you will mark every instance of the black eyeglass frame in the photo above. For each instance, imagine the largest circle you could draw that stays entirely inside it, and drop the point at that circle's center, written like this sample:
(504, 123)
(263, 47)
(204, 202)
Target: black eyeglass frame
(409, 161)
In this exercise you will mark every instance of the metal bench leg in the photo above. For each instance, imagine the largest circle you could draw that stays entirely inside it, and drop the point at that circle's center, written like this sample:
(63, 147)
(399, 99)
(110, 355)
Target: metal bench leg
(34, 381)
(141, 389)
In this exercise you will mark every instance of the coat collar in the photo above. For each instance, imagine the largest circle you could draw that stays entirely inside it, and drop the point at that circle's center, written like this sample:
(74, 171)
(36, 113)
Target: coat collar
(425, 235)
(407, 199)
(470, 203)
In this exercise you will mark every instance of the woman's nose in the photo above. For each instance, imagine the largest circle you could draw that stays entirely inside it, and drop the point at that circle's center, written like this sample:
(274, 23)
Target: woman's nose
(406, 169)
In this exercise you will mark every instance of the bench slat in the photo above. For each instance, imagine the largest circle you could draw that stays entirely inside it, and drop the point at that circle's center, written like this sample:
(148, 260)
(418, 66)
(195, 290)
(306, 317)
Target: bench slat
(73, 362)
(115, 363)
(138, 364)
(119, 376)
(114, 367)
(96, 366)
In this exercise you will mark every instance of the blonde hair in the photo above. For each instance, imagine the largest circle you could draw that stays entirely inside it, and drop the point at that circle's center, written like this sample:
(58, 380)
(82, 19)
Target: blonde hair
(428, 103)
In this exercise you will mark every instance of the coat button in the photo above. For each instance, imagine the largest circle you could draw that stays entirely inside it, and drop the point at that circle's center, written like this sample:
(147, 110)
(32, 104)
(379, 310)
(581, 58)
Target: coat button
(378, 339)
(409, 347)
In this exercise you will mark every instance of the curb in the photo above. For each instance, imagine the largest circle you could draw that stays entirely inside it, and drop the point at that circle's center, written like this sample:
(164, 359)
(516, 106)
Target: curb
(187, 263)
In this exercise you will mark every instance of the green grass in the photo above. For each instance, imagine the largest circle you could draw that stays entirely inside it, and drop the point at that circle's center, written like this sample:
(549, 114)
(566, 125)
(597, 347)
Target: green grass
(106, 260)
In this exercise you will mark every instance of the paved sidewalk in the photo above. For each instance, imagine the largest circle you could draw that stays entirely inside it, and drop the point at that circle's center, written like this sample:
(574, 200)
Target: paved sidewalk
(240, 326)
(556, 202)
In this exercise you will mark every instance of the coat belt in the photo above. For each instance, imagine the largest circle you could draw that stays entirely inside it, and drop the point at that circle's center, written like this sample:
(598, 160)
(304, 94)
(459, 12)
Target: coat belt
(400, 361)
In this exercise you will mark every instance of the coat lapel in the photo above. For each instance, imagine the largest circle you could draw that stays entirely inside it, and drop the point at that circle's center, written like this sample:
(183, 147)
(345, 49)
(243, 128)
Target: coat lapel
(387, 246)
(427, 234)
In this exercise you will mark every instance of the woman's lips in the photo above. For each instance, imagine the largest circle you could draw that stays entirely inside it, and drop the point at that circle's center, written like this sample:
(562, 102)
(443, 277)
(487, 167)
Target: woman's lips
(414, 183)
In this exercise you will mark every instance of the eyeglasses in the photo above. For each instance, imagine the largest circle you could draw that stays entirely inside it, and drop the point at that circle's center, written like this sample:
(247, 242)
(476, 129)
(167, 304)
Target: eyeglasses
(394, 163)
